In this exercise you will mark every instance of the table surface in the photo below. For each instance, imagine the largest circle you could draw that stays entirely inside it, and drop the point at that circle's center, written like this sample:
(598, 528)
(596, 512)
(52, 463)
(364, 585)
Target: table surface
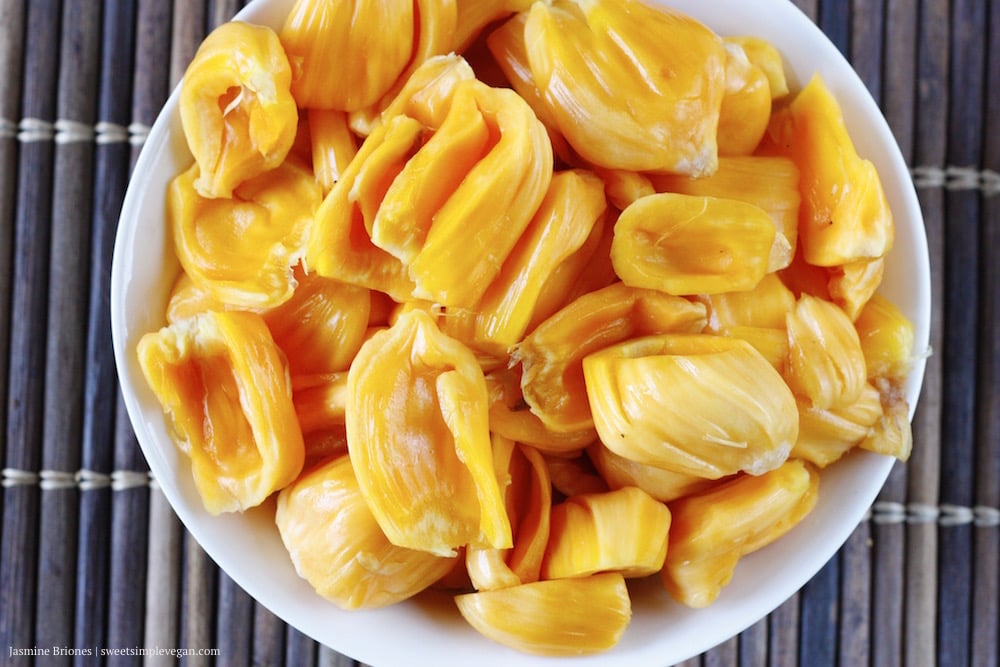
(91, 555)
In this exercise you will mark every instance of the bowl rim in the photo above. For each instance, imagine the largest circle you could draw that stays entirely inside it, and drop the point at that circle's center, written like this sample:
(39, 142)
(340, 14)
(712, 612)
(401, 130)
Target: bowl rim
(356, 633)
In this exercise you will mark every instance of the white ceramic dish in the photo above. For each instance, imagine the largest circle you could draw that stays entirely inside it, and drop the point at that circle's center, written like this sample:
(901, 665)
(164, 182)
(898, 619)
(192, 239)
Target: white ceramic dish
(428, 631)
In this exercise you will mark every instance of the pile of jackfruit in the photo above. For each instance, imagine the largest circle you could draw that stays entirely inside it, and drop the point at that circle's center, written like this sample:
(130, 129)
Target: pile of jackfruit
(519, 300)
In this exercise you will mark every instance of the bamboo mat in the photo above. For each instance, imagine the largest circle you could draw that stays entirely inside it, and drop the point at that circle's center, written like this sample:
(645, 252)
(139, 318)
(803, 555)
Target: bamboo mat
(91, 555)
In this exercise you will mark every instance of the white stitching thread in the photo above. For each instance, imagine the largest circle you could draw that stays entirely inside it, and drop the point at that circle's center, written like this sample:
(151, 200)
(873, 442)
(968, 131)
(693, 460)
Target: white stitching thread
(946, 514)
(84, 480)
(956, 178)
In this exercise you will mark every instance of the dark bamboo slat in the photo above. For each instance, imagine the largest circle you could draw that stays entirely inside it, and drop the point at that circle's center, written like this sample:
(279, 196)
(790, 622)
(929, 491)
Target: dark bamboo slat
(965, 126)
(300, 649)
(235, 618)
(753, 645)
(110, 178)
(67, 317)
(28, 312)
(197, 603)
(783, 633)
(726, 654)
(268, 637)
(11, 59)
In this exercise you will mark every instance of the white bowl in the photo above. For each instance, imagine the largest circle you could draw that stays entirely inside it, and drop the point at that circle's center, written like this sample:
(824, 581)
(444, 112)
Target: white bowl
(428, 630)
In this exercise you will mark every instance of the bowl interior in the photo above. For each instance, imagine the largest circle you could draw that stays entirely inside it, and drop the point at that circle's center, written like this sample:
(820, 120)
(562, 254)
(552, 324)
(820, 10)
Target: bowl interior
(428, 629)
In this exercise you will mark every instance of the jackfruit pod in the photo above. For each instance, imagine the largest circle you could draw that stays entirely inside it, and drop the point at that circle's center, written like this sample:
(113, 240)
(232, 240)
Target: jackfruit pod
(336, 545)
(238, 115)
(332, 145)
(320, 401)
(845, 216)
(712, 530)
(825, 361)
(524, 480)
(585, 57)
(766, 305)
(511, 417)
(624, 187)
(764, 55)
(475, 15)
(552, 355)
(223, 385)
(242, 250)
(426, 96)
(826, 435)
(583, 271)
(701, 405)
(418, 433)
(561, 617)
(574, 474)
(804, 278)
(891, 435)
(852, 285)
(573, 206)
(746, 106)
(506, 43)
(187, 299)
(477, 221)
(886, 336)
(687, 244)
(339, 246)
(323, 40)
(772, 183)
(771, 343)
(661, 484)
(321, 327)
(323, 445)
(590, 533)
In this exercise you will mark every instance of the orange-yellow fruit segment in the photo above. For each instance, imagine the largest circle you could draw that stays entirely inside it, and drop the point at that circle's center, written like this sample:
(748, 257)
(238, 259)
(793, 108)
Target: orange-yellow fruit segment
(188, 299)
(771, 343)
(825, 360)
(764, 55)
(552, 355)
(237, 111)
(575, 48)
(712, 530)
(574, 475)
(223, 385)
(852, 285)
(766, 305)
(561, 617)
(886, 336)
(891, 435)
(337, 546)
(322, 326)
(845, 216)
(475, 15)
(772, 183)
(686, 244)
(332, 145)
(826, 435)
(242, 250)
(590, 533)
(702, 405)
(746, 106)
(573, 206)
(418, 433)
(320, 401)
(661, 484)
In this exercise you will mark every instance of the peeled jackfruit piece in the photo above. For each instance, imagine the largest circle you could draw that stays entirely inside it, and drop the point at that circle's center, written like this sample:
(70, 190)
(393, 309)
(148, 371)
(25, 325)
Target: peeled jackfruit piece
(188, 299)
(332, 145)
(767, 305)
(702, 405)
(662, 484)
(764, 55)
(320, 401)
(825, 360)
(588, 535)
(242, 250)
(826, 435)
(573, 206)
(686, 244)
(852, 285)
(321, 327)
(560, 617)
(323, 40)
(772, 183)
(418, 433)
(337, 546)
(552, 355)
(586, 56)
(746, 106)
(886, 337)
(574, 475)
(712, 530)
(476, 15)
(845, 216)
(891, 434)
(223, 384)
(771, 343)
(237, 111)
